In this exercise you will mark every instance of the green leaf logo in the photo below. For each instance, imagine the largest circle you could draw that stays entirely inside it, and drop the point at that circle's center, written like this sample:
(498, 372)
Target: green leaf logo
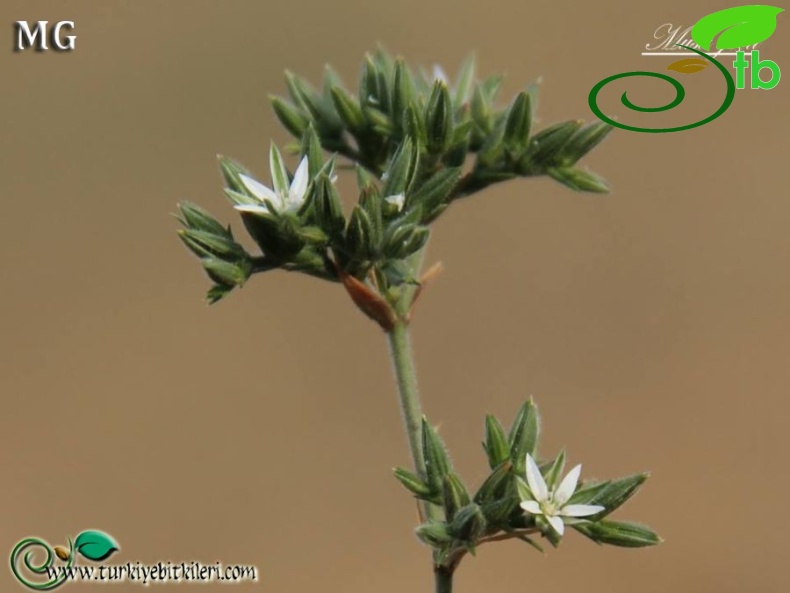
(95, 545)
(739, 26)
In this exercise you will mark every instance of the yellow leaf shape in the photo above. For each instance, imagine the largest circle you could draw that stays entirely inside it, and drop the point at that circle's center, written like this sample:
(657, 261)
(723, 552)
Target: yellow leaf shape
(688, 65)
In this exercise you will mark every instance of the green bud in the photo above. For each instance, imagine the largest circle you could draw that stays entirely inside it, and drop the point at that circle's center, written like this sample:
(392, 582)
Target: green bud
(496, 444)
(438, 119)
(469, 523)
(194, 217)
(454, 495)
(403, 94)
(498, 511)
(616, 533)
(436, 192)
(204, 243)
(437, 462)
(225, 272)
(617, 492)
(434, 533)
(399, 172)
(524, 435)
(328, 209)
(349, 110)
(496, 483)
(517, 124)
(546, 146)
(584, 140)
(290, 116)
(579, 180)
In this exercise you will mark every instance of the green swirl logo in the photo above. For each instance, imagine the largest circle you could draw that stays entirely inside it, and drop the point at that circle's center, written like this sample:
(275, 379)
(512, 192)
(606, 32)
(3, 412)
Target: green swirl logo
(46, 574)
(732, 28)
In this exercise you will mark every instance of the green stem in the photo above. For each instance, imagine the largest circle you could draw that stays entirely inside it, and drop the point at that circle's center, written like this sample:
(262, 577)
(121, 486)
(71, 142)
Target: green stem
(444, 579)
(403, 363)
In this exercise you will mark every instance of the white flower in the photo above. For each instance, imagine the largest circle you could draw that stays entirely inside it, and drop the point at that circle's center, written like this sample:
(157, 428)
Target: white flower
(552, 503)
(397, 200)
(283, 197)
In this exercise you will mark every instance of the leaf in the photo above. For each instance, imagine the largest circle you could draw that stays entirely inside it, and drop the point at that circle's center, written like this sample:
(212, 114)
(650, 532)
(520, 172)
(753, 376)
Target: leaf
(688, 65)
(739, 26)
(95, 545)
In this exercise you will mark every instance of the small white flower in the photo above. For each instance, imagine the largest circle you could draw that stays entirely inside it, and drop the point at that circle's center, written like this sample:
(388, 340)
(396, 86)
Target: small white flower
(397, 200)
(288, 199)
(552, 503)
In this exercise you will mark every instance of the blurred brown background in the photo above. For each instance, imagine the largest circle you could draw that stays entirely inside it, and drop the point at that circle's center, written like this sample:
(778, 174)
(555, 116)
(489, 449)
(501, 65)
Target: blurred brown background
(651, 325)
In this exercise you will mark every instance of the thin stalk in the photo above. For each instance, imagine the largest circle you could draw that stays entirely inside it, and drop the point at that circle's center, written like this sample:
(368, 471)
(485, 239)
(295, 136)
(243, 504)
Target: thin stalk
(444, 579)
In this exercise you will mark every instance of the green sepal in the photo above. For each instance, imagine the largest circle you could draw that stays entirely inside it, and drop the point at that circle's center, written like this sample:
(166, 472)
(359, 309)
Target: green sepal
(554, 473)
(524, 434)
(328, 209)
(618, 533)
(402, 94)
(413, 483)
(465, 80)
(311, 148)
(231, 170)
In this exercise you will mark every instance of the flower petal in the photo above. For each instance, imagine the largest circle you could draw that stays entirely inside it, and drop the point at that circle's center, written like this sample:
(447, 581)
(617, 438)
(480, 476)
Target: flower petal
(535, 480)
(439, 74)
(581, 510)
(531, 506)
(299, 183)
(259, 190)
(557, 524)
(568, 486)
(254, 208)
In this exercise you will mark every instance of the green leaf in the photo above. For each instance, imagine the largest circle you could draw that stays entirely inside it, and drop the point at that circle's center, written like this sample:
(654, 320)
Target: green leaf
(615, 533)
(413, 483)
(95, 545)
(524, 435)
(739, 26)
